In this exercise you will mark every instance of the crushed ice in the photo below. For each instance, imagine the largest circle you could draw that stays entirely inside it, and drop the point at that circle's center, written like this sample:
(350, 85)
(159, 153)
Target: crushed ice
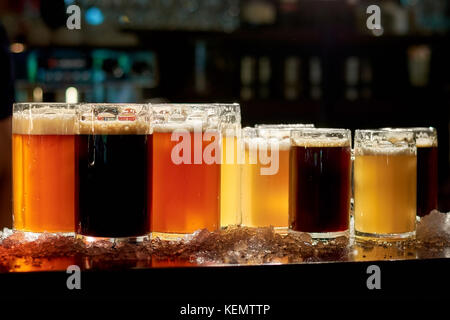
(236, 245)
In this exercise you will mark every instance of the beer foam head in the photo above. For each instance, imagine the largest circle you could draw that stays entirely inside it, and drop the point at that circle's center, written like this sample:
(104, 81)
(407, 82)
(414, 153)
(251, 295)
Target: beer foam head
(321, 138)
(114, 119)
(425, 136)
(267, 143)
(114, 127)
(325, 142)
(184, 126)
(45, 120)
(170, 117)
(426, 142)
(285, 125)
(384, 142)
(388, 150)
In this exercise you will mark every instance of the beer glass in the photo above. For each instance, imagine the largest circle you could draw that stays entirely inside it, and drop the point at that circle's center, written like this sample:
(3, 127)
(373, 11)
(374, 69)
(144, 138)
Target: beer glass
(186, 169)
(265, 176)
(43, 147)
(231, 148)
(320, 182)
(111, 172)
(427, 168)
(385, 184)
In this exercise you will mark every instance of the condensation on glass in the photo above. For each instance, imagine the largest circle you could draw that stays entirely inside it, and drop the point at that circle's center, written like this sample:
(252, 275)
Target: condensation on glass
(385, 181)
(186, 169)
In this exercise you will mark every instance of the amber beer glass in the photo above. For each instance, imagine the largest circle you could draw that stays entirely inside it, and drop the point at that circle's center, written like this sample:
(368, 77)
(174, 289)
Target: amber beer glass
(265, 195)
(111, 172)
(320, 182)
(43, 149)
(427, 168)
(186, 169)
(231, 148)
(385, 184)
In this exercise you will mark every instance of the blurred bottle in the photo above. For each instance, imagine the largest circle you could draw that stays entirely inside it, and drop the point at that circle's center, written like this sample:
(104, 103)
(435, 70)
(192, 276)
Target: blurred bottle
(200, 67)
(292, 79)
(366, 79)
(394, 18)
(264, 75)
(247, 77)
(351, 78)
(288, 13)
(431, 15)
(258, 12)
(419, 65)
(315, 78)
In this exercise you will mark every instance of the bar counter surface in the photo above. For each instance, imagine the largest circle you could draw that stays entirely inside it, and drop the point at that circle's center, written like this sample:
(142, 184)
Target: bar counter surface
(239, 264)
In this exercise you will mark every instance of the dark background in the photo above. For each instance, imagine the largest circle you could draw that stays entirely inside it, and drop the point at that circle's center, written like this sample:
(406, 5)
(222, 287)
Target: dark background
(283, 61)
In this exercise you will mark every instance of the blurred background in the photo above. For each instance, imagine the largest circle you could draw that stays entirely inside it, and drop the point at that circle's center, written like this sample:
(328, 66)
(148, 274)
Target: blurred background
(309, 61)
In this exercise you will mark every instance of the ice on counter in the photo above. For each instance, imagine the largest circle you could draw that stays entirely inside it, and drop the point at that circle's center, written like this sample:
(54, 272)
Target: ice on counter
(235, 245)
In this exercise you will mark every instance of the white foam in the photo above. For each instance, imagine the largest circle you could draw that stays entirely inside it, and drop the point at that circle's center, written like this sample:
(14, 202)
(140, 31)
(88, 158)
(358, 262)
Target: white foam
(425, 142)
(384, 150)
(45, 123)
(259, 142)
(188, 126)
(320, 142)
(115, 127)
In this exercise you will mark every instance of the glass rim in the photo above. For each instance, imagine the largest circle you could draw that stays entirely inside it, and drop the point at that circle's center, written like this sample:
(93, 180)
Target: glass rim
(384, 140)
(109, 104)
(29, 105)
(362, 134)
(284, 125)
(412, 129)
(189, 104)
(322, 130)
(321, 137)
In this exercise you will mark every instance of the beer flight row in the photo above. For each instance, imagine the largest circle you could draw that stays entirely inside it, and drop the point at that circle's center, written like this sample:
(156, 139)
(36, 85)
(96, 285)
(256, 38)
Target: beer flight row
(124, 171)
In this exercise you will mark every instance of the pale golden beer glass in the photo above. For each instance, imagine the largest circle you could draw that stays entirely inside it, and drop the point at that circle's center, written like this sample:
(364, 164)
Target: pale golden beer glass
(265, 193)
(231, 148)
(385, 184)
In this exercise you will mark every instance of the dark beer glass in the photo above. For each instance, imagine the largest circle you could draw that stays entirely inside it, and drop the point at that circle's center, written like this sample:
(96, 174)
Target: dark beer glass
(111, 172)
(320, 182)
(427, 168)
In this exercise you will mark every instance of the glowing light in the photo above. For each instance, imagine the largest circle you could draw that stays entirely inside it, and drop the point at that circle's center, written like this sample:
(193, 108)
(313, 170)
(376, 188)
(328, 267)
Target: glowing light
(94, 16)
(38, 94)
(71, 95)
(378, 32)
(17, 47)
(124, 19)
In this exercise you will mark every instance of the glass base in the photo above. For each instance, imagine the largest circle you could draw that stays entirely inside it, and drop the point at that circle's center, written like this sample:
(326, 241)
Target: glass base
(281, 230)
(90, 239)
(230, 226)
(324, 235)
(171, 236)
(31, 236)
(385, 236)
